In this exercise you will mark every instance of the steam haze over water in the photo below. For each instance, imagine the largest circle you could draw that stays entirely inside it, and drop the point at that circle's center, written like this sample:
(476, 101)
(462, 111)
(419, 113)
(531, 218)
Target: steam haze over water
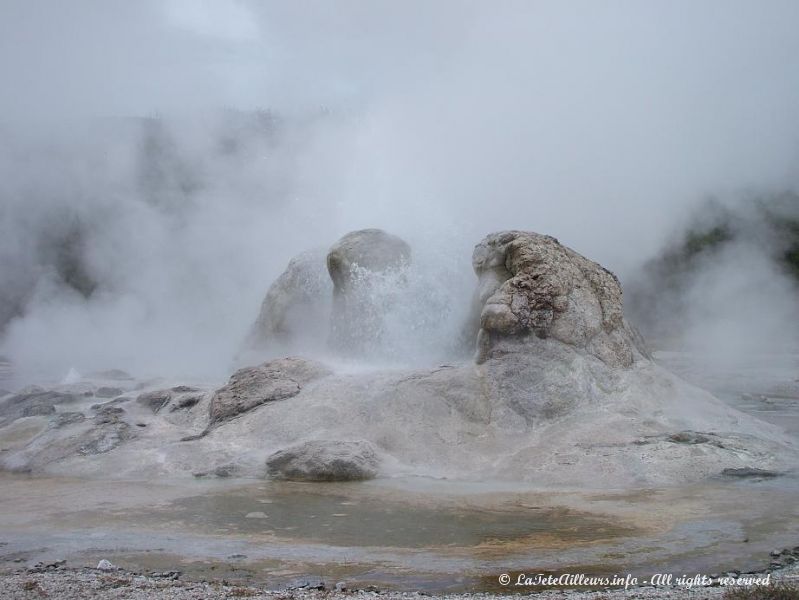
(161, 162)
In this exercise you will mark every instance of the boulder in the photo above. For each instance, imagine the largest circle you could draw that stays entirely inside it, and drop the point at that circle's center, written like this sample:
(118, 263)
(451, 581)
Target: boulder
(31, 402)
(251, 387)
(108, 392)
(532, 285)
(155, 400)
(296, 309)
(366, 267)
(323, 460)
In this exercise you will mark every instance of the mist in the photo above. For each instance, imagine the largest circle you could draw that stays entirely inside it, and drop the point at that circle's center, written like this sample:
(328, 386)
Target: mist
(161, 162)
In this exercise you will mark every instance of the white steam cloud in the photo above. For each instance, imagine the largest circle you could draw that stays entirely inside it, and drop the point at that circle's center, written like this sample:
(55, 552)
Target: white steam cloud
(180, 153)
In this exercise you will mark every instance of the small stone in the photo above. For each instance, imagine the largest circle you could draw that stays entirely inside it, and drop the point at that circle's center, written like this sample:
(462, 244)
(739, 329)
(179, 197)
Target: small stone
(173, 575)
(257, 515)
(775, 552)
(749, 472)
(106, 565)
(225, 471)
(341, 587)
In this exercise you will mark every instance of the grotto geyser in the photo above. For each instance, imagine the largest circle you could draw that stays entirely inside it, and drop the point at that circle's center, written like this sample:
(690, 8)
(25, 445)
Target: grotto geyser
(556, 389)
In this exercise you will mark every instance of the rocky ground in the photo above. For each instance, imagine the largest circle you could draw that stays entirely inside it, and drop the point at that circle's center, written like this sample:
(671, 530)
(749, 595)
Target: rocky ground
(55, 581)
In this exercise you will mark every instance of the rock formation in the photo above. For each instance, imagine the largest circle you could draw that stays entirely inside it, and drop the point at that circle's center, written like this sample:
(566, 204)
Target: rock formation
(562, 394)
(322, 460)
(365, 267)
(252, 386)
(530, 284)
(295, 312)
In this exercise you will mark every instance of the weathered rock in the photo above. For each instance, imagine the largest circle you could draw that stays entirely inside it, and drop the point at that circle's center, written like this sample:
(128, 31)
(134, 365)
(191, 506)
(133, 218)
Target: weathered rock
(184, 389)
(251, 387)
(747, 472)
(532, 285)
(109, 414)
(296, 308)
(109, 435)
(365, 267)
(370, 249)
(222, 471)
(67, 418)
(155, 400)
(325, 461)
(689, 437)
(186, 403)
(108, 392)
(31, 402)
(106, 565)
(38, 410)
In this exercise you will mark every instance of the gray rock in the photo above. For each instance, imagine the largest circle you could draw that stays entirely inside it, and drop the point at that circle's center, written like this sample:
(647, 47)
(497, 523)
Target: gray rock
(31, 402)
(251, 387)
(105, 438)
(532, 285)
(688, 437)
(67, 418)
(745, 472)
(323, 460)
(370, 249)
(186, 403)
(359, 264)
(155, 400)
(109, 414)
(108, 392)
(38, 410)
(106, 565)
(184, 389)
(296, 309)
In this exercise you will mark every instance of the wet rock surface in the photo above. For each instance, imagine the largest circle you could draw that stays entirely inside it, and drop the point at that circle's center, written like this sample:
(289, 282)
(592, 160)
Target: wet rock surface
(33, 402)
(364, 266)
(296, 309)
(324, 460)
(251, 387)
(750, 472)
(155, 400)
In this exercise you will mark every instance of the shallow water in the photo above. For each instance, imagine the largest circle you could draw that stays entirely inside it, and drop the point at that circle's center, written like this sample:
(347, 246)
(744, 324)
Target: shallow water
(434, 535)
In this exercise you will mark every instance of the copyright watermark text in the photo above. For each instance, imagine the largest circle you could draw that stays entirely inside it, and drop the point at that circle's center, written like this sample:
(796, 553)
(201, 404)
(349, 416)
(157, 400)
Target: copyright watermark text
(628, 580)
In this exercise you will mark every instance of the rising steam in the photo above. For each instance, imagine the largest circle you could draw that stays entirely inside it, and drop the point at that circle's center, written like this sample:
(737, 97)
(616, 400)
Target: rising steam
(161, 162)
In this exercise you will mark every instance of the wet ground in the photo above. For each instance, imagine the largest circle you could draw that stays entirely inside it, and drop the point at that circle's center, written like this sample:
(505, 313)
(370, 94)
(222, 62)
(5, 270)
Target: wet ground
(434, 535)
(397, 533)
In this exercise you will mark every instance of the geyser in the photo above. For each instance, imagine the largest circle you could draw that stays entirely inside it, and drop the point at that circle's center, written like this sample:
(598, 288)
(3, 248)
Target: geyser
(562, 394)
